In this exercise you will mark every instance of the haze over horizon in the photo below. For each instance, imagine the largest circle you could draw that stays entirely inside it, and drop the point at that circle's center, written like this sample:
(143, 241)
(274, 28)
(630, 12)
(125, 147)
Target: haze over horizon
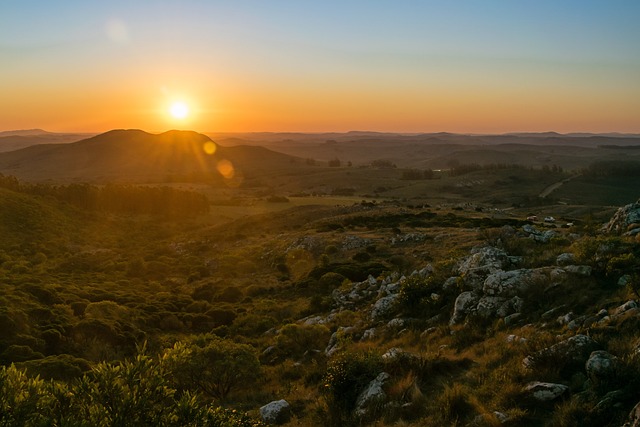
(463, 67)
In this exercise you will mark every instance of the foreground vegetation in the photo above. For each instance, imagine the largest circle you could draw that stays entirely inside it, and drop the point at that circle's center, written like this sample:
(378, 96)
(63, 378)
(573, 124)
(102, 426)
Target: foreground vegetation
(128, 317)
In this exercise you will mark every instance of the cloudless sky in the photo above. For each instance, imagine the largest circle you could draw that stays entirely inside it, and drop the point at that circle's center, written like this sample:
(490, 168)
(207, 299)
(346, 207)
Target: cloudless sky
(301, 65)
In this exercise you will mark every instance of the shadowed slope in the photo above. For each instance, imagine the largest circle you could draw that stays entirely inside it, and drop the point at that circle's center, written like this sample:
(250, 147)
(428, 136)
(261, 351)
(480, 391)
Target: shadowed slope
(137, 156)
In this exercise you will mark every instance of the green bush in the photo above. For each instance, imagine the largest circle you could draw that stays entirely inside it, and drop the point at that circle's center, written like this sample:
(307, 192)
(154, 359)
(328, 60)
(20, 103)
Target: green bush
(212, 365)
(132, 393)
(294, 339)
(346, 377)
(419, 295)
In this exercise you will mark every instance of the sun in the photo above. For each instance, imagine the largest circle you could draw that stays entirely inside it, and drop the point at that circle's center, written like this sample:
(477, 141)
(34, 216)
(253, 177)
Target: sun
(179, 110)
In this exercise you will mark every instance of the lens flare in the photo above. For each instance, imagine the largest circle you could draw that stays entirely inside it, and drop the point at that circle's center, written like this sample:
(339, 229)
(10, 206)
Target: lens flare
(226, 169)
(209, 147)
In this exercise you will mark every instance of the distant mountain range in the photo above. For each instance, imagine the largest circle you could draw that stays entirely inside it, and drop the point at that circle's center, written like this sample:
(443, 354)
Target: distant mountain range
(136, 156)
(17, 139)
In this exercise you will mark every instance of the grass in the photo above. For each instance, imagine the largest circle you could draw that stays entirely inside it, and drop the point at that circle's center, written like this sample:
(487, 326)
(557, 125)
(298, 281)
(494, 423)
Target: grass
(126, 278)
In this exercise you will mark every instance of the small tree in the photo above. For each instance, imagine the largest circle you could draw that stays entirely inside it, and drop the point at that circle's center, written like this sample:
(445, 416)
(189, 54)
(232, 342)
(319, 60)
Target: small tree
(212, 365)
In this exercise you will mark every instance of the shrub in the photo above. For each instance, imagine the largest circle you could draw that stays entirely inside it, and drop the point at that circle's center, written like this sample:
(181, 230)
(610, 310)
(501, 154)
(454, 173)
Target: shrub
(132, 393)
(212, 365)
(346, 377)
(59, 367)
(418, 294)
(294, 339)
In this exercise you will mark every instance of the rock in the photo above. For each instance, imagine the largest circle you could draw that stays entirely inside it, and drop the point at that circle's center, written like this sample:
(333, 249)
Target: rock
(602, 367)
(369, 334)
(610, 400)
(626, 218)
(384, 307)
(624, 280)
(354, 242)
(515, 339)
(372, 397)
(314, 320)
(576, 323)
(396, 323)
(483, 261)
(488, 306)
(580, 270)
(276, 412)
(450, 283)
(463, 304)
(539, 236)
(571, 352)
(334, 340)
(633, 420)
(508, 283)
(546, 392)
(564, 320)
(624, 307)
(489, 419)
(551, 313)
(512, 319)
(566, 258)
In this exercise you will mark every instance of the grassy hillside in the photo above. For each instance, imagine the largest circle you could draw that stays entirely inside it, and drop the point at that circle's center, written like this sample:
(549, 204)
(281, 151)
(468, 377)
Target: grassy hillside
(82, 287)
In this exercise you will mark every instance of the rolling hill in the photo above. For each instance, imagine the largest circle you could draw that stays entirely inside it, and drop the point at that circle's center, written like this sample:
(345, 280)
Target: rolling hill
(136, 156)
(17, 139)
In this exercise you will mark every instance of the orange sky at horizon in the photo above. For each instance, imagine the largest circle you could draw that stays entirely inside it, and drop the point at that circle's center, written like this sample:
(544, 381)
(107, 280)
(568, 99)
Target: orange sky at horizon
(304, 68)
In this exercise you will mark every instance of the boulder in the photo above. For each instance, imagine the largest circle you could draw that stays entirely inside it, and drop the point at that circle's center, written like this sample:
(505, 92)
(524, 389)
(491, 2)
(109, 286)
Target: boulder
(625, 220)
(483, 261)
(566, 258)
(384, 307)
(545, 392)
(571, 352)
(369, 334)
(276, 412)
(624, 307)
(490, 419)
(488, 306)
(602, 367)
(396, 323)
(507, 283)
(610, 401)
(372, 397)
(580, 270)
(539, 236)
(463, 305)
(397, 355)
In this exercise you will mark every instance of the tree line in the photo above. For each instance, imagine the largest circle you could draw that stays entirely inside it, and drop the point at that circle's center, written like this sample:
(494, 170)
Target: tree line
(123, 199)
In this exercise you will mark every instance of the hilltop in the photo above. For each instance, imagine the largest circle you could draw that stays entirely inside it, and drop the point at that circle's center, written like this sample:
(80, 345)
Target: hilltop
(136, 156)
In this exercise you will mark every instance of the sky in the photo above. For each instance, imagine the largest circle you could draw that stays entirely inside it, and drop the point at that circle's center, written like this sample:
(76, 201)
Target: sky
(465, 66)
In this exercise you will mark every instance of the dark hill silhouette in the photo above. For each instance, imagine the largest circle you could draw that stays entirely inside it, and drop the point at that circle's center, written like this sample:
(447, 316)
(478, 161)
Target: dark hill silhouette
(15, 140)
(136, 156)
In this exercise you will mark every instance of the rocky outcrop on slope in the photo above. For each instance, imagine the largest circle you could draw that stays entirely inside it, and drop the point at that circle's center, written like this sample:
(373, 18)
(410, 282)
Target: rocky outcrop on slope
(626, 221)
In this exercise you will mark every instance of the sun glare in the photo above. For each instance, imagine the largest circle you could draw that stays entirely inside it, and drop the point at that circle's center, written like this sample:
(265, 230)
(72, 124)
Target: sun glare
(179, 110)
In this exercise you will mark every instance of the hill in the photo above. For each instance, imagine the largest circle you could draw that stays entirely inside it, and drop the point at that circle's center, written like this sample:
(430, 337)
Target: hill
(139, 157)
(17, 139)
(438, 150)
(443, 305)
